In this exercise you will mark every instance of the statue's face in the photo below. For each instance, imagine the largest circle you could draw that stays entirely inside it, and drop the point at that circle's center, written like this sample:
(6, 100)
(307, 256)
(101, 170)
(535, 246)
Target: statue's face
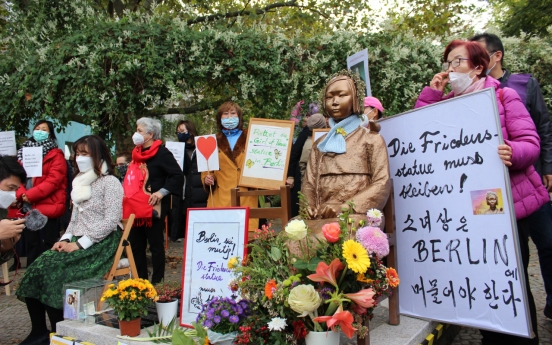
(491, 201)
(339, 100)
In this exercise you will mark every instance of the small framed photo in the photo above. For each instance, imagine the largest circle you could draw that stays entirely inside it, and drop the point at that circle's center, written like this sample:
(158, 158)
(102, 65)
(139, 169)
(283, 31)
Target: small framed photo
(71, 304)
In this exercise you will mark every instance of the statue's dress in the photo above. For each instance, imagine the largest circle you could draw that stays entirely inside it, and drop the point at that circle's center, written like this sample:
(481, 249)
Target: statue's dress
(361, 174)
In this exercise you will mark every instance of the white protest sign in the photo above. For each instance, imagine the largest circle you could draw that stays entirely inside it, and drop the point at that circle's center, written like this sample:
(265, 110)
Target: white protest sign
(457, 247)
(213, 236)
(207, 152)
(7, 143)
(32, 161)
(178, 150)
(267, 153)
(358, 63)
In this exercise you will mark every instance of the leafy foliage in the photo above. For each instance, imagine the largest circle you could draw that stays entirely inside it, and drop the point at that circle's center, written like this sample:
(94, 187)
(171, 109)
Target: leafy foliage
(432, 18)
(108, 73)
(532, 18)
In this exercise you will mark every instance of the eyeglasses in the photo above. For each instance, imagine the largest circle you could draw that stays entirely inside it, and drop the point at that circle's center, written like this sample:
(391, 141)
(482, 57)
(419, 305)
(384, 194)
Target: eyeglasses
(454, 63)
(177, 133)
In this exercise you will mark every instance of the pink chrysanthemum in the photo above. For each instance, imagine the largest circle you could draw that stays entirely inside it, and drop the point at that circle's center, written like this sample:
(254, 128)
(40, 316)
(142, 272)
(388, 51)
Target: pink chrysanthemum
(374, 240)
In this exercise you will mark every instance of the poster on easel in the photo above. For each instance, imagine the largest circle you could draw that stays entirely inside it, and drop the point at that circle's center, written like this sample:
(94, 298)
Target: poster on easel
(267, 151)
(458, 252)
(358, 63)
(207, 153)
(213, 236)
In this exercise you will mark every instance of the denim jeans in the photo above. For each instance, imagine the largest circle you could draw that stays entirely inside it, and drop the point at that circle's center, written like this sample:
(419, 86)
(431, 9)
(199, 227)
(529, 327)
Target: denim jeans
(541, 233)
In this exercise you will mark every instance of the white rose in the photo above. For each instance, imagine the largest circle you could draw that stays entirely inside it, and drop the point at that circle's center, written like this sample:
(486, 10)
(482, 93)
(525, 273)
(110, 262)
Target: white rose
(304, 299)
(296, 229)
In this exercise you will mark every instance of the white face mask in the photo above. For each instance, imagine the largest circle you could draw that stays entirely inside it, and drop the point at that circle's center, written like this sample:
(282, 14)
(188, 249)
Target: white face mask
(460, 81)
(84, 163)
(138, 139)
(6, 198)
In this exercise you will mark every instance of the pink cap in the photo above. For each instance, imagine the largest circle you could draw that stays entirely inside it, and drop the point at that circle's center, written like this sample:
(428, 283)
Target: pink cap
(373, 102)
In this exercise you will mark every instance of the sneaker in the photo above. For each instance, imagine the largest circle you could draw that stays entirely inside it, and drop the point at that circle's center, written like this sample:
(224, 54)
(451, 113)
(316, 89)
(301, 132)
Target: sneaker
(548, 311)
(179, 240)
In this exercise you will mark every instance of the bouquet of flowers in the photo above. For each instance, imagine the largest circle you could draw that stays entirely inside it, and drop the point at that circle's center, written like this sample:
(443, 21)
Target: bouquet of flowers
(130, 298)
(332, 283)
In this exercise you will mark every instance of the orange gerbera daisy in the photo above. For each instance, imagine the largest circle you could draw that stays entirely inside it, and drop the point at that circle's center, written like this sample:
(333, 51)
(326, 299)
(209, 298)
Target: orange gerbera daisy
(270, 286)
(392, 277)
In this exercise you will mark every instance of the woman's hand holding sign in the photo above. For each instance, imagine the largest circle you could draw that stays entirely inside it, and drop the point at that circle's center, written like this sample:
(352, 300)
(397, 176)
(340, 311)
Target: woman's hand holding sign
(505, 153)
(209, 180)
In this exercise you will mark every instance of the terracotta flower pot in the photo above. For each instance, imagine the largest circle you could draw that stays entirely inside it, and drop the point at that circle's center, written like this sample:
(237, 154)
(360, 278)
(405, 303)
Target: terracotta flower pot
(130, 328)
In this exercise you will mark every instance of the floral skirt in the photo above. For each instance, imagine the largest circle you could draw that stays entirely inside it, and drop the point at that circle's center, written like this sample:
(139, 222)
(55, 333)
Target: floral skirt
(45, 278)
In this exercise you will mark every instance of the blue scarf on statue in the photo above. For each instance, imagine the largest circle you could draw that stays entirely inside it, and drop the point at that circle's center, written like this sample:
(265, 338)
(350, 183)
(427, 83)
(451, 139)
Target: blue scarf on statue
(335, 139)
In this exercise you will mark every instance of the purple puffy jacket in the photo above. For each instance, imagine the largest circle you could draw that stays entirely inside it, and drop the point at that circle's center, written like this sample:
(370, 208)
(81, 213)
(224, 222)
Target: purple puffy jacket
(518, 130)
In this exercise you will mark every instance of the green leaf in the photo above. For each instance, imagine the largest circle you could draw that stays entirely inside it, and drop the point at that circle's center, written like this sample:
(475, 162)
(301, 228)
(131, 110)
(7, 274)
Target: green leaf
(313, 263)
(275, 254)
(179, 338)
(300, 264)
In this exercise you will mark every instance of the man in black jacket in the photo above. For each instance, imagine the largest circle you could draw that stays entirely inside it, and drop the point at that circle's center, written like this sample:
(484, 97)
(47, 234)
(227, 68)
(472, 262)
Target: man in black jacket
(530, 93)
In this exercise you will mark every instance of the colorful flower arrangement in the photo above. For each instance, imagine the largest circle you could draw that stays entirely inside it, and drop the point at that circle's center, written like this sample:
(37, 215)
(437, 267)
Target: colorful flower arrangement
(332, 282)
(130, 298)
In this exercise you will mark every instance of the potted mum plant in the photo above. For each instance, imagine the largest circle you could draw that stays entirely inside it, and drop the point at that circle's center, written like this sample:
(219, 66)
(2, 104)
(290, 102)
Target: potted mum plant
(222, 316)
(168, 294)
(130, 300)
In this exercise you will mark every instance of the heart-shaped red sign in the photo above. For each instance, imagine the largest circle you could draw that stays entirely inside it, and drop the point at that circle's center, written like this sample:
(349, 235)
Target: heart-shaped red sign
(206, 145)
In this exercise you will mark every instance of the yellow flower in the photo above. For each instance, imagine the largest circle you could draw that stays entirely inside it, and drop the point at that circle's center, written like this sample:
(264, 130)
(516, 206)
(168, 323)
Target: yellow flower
(356, 256)
(206, 341)
(111, 286)
(132, 295)
(341, 131)
(362, 278)
(233, 263)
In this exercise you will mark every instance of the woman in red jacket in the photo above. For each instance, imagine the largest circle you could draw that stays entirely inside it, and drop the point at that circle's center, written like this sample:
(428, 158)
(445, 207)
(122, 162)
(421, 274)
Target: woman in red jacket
(46, 193)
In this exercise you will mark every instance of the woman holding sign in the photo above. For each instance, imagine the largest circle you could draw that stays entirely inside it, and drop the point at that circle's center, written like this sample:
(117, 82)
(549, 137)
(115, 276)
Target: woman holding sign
(465, 69)
(231, 140)
(47, 192)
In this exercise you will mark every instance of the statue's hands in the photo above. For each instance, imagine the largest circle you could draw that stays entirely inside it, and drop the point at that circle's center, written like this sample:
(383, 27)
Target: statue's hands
(330, 211)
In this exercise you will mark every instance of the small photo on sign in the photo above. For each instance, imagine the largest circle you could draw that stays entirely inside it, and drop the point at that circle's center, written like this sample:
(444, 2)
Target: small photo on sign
(487, 201)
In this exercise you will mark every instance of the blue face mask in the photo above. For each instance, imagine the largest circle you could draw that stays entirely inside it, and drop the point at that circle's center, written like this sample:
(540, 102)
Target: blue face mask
(39, 135)
(230, 123)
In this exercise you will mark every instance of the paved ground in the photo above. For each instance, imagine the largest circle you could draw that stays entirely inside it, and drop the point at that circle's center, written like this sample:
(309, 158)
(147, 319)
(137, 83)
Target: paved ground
(15, 324)
(14, 319)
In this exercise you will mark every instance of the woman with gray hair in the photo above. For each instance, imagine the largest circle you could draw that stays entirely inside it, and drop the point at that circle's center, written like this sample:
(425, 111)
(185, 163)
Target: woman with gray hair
(152, 174)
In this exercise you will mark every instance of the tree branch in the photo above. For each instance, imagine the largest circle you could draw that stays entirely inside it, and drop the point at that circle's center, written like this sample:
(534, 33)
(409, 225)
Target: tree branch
(213, 17)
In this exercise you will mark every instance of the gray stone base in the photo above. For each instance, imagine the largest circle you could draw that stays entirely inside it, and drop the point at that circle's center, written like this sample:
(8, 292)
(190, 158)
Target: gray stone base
(411, 331)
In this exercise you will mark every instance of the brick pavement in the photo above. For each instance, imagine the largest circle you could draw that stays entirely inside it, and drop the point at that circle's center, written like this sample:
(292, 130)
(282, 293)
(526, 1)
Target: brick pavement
(15, 323)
